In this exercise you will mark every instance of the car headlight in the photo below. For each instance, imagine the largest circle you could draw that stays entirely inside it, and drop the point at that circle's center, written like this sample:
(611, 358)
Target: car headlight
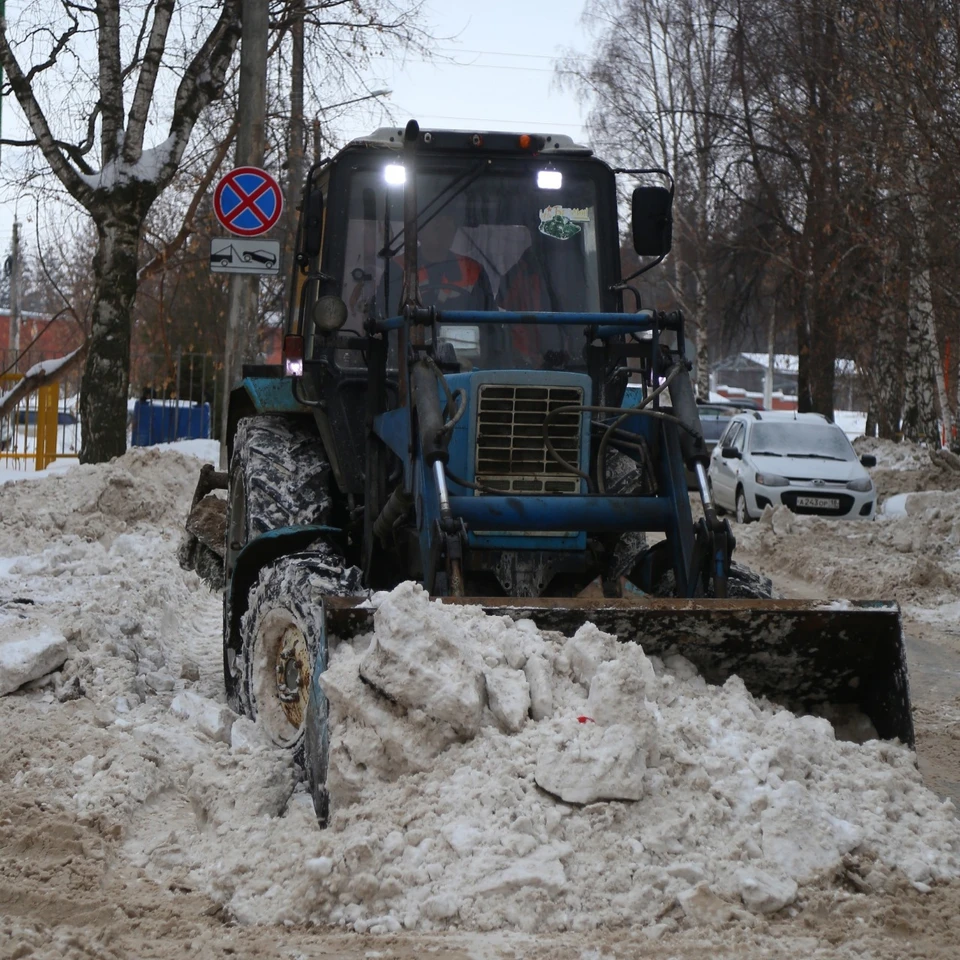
(861, 485)
(772, 480)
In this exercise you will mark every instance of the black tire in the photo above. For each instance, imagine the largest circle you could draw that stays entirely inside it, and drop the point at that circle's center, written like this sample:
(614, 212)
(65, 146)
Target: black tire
(279, 477)
(742, 584)
(625, 477)
(742, 514)
(283, 637)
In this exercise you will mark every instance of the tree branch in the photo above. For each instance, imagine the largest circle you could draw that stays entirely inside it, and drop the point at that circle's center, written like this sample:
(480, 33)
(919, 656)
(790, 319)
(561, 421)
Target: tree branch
(159, 262)
(111, 83)
(33, 112)
(143, 96)
(203, 81)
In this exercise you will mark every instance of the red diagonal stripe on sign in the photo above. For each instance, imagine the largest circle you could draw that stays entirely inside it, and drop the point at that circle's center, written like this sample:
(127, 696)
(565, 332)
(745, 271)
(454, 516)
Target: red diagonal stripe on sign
(248, 202)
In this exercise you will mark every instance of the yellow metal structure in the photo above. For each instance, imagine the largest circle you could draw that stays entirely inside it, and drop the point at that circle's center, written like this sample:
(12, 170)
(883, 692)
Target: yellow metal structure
(31, 430)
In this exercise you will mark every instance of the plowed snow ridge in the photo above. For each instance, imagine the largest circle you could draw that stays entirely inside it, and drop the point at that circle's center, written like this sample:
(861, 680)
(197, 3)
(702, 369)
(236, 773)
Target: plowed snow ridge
(447, 792)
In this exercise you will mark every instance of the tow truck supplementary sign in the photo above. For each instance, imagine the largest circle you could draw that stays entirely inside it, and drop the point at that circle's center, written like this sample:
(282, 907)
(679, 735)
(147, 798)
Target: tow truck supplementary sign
(248, 201)
(228, 255)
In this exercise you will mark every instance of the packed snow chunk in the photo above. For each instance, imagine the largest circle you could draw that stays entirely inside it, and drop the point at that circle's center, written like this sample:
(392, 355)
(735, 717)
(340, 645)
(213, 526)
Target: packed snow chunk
(372, 734)
(416, 661)
(538, 673)
(763, 892)
(247, 737)
(212, 719)
(23, 660)
(585, 762)
(508, 695)
(619, 691)
(702, 905)
(319, 867)
(443, 906)
(587, 649)
(801, 835)
(541, 869)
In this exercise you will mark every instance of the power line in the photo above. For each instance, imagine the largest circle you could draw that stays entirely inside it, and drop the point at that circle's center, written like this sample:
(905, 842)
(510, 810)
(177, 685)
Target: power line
(454, 63)
(526, 123)
(504, 53)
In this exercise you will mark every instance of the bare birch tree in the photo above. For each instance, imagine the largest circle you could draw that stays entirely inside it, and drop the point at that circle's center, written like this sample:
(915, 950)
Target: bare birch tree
(112, 172)
(662, 100)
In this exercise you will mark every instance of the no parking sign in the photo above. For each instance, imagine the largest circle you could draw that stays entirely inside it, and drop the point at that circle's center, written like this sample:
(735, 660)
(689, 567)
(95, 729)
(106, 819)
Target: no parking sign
(248, 201)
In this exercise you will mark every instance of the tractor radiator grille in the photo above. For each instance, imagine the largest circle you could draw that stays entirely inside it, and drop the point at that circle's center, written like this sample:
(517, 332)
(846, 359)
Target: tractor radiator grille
(511, 455)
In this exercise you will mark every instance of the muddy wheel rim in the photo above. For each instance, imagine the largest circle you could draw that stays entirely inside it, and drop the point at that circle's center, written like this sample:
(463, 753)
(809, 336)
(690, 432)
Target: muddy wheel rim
(741, 508)
(280, 678)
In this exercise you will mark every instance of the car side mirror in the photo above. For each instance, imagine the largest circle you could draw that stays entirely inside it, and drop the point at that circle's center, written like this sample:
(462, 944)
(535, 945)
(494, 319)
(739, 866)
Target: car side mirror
(652, 221)
(868, 460)
(731, 453)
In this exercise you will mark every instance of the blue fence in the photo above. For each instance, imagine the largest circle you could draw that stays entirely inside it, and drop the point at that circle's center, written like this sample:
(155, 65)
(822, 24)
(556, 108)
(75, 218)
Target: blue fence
(163, 421)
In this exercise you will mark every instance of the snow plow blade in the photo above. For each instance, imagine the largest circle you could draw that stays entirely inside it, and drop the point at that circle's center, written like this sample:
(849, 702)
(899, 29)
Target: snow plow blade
(202, 546)
(840, 659)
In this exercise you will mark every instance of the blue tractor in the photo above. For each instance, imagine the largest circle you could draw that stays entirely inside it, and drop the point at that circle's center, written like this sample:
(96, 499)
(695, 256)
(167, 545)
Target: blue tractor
(451, 410)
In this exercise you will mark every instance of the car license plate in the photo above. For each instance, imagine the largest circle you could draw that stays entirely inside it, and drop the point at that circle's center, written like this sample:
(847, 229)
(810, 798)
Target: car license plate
(823, 503)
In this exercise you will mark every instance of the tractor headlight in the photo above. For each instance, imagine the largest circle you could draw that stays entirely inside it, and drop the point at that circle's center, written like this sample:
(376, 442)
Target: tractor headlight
(395, 174)
(861, 485)
(772, 480)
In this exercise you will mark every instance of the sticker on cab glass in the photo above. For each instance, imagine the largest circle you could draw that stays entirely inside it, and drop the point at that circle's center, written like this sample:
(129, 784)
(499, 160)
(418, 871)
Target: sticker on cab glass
(561, 222)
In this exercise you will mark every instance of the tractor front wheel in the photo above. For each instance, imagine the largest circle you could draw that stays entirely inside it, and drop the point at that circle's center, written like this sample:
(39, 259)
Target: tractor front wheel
(284, 641)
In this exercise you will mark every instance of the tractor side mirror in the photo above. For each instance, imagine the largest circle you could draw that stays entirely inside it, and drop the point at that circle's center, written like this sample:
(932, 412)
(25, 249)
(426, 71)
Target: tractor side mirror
(652, 221)
(868, 460)
(312, 230)
(731, 453)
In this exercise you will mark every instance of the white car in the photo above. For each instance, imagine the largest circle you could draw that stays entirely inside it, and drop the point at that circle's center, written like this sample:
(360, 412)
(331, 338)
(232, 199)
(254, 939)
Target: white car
(800, 460)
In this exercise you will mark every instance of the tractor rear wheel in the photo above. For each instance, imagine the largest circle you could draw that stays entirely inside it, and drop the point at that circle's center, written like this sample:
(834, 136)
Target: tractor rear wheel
(279, 477)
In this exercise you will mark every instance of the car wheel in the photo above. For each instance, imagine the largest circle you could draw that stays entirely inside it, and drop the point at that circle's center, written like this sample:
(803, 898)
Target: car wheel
(742, 515)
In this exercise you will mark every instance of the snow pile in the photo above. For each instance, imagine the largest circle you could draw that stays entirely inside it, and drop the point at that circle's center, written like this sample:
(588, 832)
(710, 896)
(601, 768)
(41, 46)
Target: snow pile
(909, 467)
(143, 489)
(911, 557)
(449, 813)
(486, 774)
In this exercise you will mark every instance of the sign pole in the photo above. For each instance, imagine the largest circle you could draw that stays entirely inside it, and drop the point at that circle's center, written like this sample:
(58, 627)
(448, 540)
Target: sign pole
(244, 289)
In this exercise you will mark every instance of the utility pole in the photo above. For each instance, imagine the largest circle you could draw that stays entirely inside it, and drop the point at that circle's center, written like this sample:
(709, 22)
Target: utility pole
(295, 148)
(15, 293)
(245, 288)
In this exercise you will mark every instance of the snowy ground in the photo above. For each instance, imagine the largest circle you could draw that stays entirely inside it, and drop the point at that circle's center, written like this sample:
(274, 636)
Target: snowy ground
(503, 792)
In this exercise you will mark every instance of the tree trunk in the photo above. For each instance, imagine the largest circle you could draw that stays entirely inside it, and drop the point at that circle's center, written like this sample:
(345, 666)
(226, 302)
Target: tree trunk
(920, 406)
(103, 389)
(888, 367)
(703, 360)
(804, 336)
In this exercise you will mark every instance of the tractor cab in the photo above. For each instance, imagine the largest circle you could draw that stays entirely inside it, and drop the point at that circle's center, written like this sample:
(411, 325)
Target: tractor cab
(504, 222)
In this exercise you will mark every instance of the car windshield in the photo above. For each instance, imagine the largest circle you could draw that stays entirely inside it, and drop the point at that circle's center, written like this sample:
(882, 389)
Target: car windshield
(789, 438)
(490, 238)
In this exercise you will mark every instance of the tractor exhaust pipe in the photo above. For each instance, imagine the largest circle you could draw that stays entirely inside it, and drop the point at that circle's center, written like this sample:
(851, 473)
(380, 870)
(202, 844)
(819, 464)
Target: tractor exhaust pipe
(411, 274)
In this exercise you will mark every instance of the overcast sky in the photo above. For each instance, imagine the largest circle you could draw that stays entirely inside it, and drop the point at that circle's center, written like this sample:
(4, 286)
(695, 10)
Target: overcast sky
(495, 71)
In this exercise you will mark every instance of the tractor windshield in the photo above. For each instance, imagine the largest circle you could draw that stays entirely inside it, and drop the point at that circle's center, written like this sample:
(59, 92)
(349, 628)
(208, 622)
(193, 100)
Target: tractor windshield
(493, 235)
